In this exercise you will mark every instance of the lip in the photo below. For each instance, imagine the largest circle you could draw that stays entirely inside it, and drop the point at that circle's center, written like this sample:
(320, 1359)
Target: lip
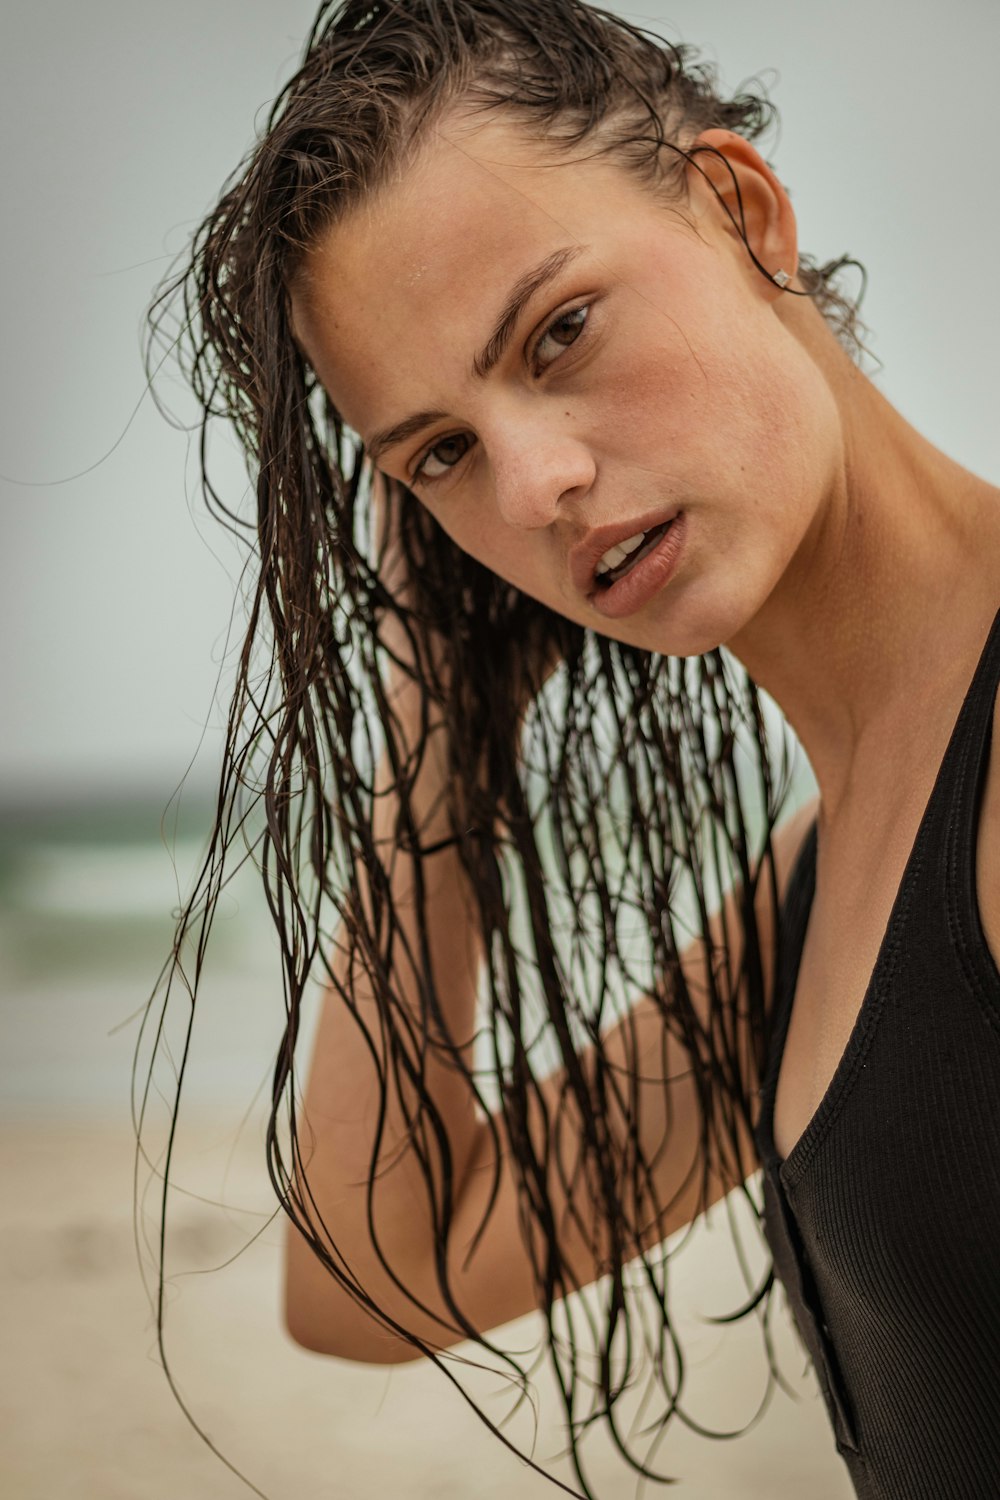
(585, 556)
(643, 579)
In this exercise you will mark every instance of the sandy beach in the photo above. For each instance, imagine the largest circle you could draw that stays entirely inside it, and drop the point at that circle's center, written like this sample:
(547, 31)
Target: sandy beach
(87, 1413)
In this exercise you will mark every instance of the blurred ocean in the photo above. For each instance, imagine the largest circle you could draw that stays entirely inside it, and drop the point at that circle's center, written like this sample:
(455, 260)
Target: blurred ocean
(88, 893)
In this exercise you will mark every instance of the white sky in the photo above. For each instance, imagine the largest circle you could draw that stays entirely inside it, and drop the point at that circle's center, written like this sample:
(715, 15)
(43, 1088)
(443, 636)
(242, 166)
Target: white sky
(120, 122)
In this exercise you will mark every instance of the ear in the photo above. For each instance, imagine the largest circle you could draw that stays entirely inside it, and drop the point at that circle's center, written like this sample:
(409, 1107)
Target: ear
(732, 188)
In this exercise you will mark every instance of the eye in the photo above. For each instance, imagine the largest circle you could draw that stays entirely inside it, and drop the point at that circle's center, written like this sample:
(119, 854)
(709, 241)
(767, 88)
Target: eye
(560, 334)
(444, 455)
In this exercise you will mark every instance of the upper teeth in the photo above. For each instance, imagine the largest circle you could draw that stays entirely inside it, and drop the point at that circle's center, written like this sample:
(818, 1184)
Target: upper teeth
(618, 553)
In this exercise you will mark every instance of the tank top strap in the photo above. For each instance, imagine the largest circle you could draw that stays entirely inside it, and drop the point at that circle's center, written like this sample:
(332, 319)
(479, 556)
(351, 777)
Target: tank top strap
(952, 808)
(971, 752)
(972, 739)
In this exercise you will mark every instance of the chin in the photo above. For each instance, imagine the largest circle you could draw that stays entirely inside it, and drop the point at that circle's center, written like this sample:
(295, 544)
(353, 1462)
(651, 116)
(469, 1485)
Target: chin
(715, 611)
(689, 625)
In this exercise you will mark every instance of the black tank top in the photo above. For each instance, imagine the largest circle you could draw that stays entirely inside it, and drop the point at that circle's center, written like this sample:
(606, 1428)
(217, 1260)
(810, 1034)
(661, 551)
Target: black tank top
(884, 1220)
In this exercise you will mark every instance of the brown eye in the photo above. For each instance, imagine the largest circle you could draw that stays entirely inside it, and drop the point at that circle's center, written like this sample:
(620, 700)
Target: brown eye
(565, 331)
(443, 456)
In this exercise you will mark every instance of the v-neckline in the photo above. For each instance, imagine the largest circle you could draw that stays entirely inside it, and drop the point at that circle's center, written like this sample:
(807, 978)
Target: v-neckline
(799, 900)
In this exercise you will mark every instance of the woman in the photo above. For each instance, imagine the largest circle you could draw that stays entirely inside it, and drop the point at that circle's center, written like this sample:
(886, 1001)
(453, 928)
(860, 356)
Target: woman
(546, 407)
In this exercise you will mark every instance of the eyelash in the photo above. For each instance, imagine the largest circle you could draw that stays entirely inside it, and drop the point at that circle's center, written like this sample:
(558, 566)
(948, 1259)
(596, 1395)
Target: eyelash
(418, 476)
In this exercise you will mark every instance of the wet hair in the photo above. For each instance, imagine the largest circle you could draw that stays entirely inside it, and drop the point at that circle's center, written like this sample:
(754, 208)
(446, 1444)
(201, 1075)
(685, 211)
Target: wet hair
(599, 806)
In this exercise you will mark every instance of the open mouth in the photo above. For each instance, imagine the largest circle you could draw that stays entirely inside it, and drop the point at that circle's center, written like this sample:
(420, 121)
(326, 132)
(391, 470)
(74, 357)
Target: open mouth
(606, 575)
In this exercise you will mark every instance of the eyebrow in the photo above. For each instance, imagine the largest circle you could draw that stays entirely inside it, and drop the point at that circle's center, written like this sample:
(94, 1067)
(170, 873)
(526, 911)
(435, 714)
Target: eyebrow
(520, 295)
(492, 351)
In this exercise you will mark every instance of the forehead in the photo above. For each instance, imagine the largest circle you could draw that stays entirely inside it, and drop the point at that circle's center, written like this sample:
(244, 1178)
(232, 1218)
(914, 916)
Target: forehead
(398, 295)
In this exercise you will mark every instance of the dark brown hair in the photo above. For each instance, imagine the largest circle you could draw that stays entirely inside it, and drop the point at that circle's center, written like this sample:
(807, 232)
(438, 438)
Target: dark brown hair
(638, 788)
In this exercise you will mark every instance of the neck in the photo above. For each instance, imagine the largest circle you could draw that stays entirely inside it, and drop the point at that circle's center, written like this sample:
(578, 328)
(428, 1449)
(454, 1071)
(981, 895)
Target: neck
(886, 605)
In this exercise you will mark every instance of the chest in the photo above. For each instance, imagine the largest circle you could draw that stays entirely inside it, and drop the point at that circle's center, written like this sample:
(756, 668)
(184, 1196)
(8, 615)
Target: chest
(856, 889)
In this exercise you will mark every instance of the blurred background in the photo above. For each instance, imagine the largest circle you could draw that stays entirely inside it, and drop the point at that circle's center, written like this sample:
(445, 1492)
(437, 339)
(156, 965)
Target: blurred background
(119, 618)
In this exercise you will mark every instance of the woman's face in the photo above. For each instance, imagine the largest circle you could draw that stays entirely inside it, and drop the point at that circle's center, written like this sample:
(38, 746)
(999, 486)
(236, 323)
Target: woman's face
(554, 360)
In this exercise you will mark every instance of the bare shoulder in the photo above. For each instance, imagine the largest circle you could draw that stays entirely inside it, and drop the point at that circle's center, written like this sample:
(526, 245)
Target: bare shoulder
(988, 846)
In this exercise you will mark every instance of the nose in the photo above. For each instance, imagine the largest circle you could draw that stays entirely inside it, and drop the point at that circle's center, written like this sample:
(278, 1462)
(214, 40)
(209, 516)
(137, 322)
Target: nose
(536, 472)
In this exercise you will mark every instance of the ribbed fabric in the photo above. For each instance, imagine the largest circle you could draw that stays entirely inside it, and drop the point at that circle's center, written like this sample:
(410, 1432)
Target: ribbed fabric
(884, 1221)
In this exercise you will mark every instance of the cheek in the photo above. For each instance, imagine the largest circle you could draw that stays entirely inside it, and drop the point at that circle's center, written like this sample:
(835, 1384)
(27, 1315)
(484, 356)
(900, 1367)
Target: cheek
(489, 543)
(517, 558)
(734, 407)
(795, 434)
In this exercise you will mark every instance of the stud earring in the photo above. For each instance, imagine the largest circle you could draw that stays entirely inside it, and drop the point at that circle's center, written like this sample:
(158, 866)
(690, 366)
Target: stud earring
(781, 278)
